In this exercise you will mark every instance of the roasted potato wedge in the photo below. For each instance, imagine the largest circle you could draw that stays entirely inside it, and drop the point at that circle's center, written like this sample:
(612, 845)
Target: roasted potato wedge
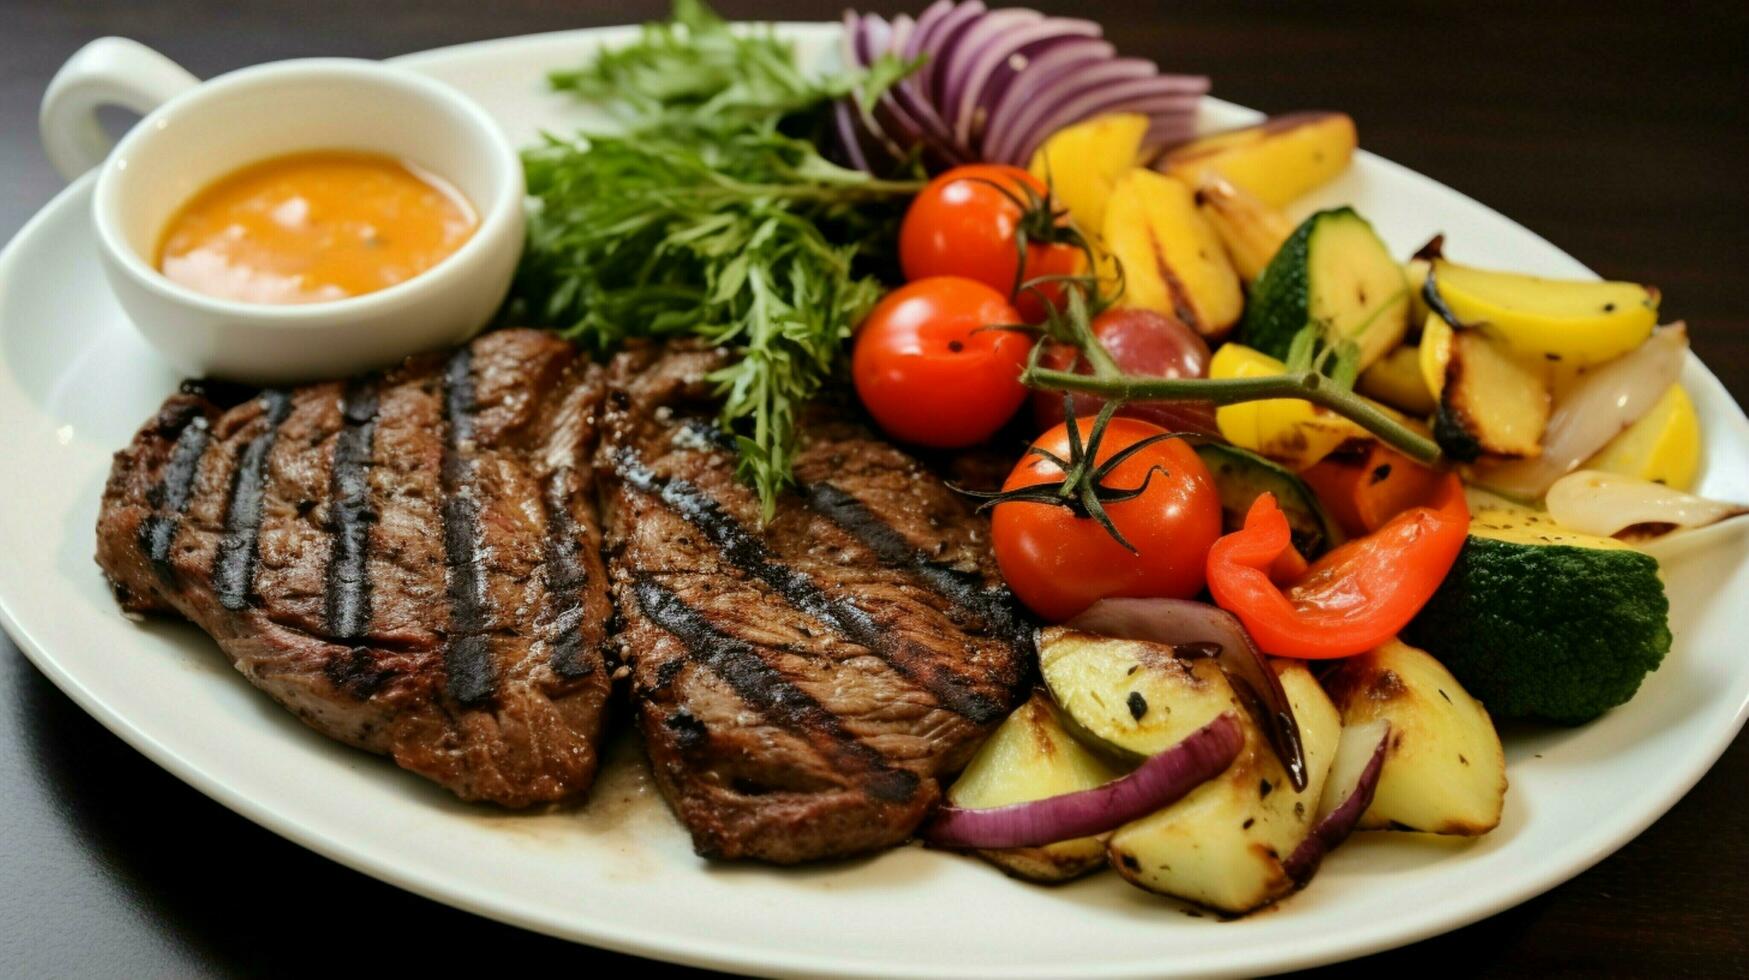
(1223, 845)
(1397, 381)
(1573, 322)
(1445, 771)
(1083, 162)
(1173, 261)
(1031, 756)
(1492, 402)
(1277, 161)
(1252, 230)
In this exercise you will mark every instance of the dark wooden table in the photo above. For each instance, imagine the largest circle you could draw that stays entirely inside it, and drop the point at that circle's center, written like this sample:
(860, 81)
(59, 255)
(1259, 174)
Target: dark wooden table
(1618, 130)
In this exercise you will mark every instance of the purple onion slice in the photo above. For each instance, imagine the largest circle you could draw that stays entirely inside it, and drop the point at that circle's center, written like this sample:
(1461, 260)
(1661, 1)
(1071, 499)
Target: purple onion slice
(1007, 134)
(995, 84)
(1336, 825)
(1157, 783)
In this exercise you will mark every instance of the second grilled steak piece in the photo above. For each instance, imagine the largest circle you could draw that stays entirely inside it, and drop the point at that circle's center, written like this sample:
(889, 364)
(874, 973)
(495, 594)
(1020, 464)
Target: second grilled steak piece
(409, 562)
(802, 683)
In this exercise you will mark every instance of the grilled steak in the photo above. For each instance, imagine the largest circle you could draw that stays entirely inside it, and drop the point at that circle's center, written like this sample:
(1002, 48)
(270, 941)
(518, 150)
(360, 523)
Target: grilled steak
(410, 562)
(801, 683)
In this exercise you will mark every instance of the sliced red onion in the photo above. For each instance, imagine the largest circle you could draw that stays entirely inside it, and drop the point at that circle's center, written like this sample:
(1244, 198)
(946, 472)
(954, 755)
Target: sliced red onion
(1151, 96)
(1179, 622)
(862, 135)
(899, 121)
(929, 21)
(992, 68)
(952, 32)
(1157, 783)
(1336, 825)
(1015, 69)
(959, 64)
(997, 83)
(1047, 68)
(844, 120)
(1609, 399)
(1070, 81)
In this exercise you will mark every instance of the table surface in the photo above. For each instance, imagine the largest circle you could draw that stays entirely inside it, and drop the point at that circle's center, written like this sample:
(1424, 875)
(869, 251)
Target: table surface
(1617, 130)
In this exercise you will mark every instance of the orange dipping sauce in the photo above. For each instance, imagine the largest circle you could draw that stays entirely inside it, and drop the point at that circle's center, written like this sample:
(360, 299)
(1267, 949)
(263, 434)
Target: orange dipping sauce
(312, 227)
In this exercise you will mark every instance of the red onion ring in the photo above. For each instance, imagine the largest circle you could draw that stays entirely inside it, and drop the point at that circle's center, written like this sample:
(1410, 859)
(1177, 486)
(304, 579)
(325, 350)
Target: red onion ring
(1177, 622)
(1157, 783)
(1340, 822)
(998, 83)
(1048, 67)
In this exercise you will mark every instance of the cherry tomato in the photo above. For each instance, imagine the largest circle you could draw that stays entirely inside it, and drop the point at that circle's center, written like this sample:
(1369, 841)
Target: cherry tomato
(1141, 342)
(961, 225)
(1059, 563)
(928, 370)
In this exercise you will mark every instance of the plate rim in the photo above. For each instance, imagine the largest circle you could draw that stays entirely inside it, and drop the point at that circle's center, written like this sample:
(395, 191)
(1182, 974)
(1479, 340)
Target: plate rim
(661, 945)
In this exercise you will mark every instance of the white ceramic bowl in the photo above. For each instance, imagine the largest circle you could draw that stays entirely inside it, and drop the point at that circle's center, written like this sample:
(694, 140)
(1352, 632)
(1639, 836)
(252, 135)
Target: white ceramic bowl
(193, 133)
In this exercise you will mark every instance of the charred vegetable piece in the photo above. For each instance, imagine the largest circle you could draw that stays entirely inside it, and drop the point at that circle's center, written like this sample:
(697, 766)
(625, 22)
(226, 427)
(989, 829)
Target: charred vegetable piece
(1397, 381)
(1492, 401)
(1029, 757)
(1277, 161)
(1130, 699)
(1291, 431)
(1252, 230)
(1160, 781)
(1335, 273)
(1173, 261)
(1084, 162)
(1363, 490)
(1241, 476)
(1445, 772)
(1573, 322)
(1187, 626)
(1596, 405)
(1224, 845)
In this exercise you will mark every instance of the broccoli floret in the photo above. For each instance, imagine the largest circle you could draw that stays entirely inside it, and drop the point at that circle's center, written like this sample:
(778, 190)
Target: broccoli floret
(1547, 631)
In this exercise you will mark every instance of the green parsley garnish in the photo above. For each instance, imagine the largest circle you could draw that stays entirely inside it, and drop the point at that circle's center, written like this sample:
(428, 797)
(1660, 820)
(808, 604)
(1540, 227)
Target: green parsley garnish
(712, 214)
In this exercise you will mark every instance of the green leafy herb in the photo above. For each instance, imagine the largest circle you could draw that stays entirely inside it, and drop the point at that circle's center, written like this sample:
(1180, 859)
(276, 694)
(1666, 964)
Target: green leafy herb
(712, 214)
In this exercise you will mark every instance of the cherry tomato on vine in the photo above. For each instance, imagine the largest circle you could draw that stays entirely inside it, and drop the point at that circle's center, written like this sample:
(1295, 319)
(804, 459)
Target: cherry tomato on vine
(928, 369)
(1140, 342)
(964, 223)
(1059, 560)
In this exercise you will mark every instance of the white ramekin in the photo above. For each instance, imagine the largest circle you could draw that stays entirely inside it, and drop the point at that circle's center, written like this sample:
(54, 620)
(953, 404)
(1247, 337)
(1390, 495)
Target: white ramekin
(195, 132)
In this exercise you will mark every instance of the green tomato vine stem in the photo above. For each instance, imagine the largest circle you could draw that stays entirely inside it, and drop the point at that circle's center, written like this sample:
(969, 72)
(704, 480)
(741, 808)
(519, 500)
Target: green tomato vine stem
(1307, 386)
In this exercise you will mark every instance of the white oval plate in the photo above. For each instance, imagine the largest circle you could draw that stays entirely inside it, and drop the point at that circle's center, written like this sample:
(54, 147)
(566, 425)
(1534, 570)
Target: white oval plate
(75, 381)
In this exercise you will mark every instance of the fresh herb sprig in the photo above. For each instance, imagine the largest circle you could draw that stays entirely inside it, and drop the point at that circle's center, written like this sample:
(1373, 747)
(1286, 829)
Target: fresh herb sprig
(711, 213)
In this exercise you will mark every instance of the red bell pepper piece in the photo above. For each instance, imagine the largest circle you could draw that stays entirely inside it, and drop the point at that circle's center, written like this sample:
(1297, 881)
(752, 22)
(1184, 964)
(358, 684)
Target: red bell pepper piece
(1353, 598)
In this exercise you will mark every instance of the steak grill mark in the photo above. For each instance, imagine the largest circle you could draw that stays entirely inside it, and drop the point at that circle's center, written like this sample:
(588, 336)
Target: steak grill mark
(234, 566)
(995, 606)
(767, 689)
(169, 496)
(742, 549)
(467, 657)
(346, 582)
(566, 577)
